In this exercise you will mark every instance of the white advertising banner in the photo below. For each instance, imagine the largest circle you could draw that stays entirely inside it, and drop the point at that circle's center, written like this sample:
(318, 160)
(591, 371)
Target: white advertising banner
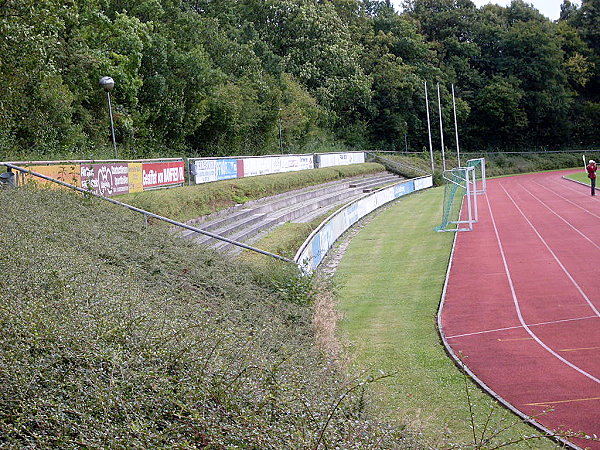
(260, 166)
(340, 159)
(276, 164)
(297, 162)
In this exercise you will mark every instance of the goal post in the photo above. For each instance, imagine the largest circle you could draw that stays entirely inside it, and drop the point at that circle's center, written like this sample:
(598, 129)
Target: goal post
(479, 165)
(460, 184)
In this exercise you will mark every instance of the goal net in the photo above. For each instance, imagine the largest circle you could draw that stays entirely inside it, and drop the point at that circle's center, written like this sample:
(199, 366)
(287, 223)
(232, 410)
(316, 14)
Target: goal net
(461, 187)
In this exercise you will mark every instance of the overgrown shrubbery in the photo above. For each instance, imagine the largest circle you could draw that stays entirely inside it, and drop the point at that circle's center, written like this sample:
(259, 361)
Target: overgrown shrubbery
(117, 335)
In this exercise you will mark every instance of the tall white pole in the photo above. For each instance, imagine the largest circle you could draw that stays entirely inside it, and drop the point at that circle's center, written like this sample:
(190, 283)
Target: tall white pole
(429, 128)
(456, 127)
(441, 127)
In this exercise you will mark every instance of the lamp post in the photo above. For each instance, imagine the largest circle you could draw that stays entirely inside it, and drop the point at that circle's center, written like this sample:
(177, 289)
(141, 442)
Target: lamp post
(280, 133)
(107, 83)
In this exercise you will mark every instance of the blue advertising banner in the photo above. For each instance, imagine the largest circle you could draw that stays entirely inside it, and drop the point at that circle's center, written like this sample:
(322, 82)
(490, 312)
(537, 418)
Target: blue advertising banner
(226, 169)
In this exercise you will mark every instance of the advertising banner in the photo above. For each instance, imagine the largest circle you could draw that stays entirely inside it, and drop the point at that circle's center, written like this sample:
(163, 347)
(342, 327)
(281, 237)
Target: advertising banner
(136, 183)
(105, 179)
(67, 173)
(226, 169)
(340, 159)
(261, 166)
(207, 170)
(162, 174)
(318, 244)
(296, 162)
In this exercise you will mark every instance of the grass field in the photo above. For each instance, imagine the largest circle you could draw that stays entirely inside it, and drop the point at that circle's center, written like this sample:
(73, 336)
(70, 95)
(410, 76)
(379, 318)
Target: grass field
(389, 285)
(579, 176)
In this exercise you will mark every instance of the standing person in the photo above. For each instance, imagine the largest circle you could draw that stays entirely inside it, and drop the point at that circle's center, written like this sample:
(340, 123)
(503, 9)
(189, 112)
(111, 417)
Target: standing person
(591, 170)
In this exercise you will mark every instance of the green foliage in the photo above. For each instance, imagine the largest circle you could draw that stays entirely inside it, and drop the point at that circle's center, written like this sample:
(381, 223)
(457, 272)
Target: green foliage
(220, 78)
(120, 335)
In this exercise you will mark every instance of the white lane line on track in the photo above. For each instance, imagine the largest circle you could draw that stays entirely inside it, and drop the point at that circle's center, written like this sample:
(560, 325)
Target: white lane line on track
(585, 297)
(519, 326)
(566, 199)
(561, 217)
(518, 307)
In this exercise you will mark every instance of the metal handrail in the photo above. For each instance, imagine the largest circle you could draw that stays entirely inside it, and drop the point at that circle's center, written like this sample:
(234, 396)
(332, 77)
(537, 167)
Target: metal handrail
(148, 213)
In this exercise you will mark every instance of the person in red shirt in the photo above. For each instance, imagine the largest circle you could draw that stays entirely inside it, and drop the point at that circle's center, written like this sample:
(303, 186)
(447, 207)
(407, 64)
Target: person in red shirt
(591, 170)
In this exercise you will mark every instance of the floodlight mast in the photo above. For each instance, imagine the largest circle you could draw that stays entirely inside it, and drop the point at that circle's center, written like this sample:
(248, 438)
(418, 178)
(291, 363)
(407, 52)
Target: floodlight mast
(107, 83)
(429, 128)
(441, 128)
(455, 127)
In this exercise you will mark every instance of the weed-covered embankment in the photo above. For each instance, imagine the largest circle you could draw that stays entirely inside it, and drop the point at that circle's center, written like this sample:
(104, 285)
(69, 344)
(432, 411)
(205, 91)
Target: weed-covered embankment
(117, 335)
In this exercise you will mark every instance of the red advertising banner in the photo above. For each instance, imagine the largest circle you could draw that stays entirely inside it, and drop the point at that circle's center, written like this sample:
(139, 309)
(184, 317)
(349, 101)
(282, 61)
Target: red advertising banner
(105, 179)
(163, 174)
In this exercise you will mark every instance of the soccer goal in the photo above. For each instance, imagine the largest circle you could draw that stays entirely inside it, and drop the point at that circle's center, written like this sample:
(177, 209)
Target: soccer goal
(462, 183)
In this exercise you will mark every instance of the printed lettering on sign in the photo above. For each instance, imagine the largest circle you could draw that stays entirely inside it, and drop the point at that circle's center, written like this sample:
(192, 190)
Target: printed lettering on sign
(206, 171)
(227, 169)
(105, 179)
(162, 174)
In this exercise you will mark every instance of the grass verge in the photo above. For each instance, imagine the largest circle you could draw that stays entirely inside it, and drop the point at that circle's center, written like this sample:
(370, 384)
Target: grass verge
(389, 284)
(579, 176)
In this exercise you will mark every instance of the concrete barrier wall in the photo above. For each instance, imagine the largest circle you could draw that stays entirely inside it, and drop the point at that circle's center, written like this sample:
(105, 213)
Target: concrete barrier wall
(314, 249)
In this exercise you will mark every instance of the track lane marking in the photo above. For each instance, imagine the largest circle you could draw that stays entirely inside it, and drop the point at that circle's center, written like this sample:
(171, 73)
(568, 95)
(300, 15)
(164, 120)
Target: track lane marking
(566, 199)
(567, 273)
(578, 349)
(519, 326)
(518, 306)
(558, 402)
(561, 218)
(515, 339)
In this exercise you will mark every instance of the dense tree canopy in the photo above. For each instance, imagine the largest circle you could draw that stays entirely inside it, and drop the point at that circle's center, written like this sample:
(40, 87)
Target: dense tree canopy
(216, 77)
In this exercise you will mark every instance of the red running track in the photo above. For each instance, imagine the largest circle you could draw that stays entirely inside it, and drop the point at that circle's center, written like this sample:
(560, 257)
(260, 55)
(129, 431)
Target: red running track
(522, 303)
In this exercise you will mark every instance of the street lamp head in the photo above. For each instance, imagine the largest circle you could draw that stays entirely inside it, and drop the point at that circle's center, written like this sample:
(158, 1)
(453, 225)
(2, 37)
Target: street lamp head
(107, 83)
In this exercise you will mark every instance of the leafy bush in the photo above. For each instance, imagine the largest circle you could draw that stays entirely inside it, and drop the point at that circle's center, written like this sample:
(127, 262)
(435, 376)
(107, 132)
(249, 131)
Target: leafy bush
(118, 335)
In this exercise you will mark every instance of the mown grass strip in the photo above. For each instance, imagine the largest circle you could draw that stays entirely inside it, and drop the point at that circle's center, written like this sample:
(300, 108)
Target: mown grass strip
(579, 176)
(389, 285)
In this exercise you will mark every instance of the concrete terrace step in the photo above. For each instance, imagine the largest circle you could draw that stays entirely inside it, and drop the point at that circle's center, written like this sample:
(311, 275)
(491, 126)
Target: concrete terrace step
(268, 204)
(245, 222)
(240, 212)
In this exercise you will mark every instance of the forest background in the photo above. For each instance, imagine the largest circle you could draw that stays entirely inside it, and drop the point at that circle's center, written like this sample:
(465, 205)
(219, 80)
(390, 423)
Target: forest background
(220, 77)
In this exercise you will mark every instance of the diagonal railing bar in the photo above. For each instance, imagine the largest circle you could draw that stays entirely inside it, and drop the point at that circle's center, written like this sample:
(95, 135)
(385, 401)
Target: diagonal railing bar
(148, 213)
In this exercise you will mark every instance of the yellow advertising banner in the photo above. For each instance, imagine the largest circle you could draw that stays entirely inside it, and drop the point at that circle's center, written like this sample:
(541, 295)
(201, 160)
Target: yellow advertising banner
(67, 173)
(136, 179)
